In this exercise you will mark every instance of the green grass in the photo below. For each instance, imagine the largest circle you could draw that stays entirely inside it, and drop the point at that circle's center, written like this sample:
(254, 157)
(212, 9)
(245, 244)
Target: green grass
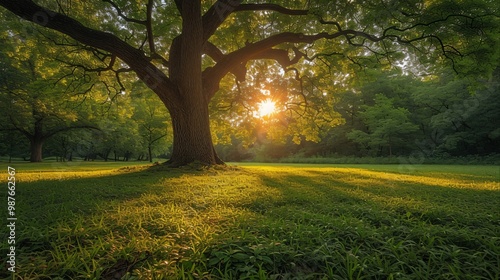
(492, 159)
(273, 221)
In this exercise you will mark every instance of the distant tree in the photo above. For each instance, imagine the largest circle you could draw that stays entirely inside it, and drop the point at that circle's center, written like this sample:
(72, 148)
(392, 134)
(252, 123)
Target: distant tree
(387, 125)
(152, 126)
(13, 145)
(119, 137)
(459, 116)
(31, 101)
(63, 145)
(351, 105)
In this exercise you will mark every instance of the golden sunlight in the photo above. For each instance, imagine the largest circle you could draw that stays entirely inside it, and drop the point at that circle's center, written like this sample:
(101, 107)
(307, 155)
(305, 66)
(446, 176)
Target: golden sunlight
(266, 108)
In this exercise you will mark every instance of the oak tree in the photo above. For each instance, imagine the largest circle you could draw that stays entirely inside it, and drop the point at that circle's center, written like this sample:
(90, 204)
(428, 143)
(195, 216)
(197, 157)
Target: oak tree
(182, 49)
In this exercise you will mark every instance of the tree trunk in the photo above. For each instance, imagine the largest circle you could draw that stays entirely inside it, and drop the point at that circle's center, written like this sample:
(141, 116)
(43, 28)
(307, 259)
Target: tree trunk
(190, 116)
(36, 142)
(36, 150)
(106, 154)
(150, 153)
(127, 155)
(390, 148)
(192, 136)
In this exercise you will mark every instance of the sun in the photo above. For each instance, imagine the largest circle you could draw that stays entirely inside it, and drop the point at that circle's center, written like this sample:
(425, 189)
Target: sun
(266, 108)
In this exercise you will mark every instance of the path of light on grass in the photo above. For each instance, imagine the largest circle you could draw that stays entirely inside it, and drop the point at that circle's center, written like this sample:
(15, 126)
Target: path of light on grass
(364, 177)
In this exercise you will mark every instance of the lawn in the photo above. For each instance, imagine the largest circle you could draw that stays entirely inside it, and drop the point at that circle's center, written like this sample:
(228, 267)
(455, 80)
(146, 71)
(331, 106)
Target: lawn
(255, 221)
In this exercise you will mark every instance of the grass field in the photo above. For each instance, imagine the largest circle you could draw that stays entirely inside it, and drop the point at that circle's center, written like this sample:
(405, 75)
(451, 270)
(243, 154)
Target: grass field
(254, 221)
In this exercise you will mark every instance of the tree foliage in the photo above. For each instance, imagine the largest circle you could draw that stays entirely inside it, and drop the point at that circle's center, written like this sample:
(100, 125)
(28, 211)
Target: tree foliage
(386, 124)
(392, 114)
(34, 98)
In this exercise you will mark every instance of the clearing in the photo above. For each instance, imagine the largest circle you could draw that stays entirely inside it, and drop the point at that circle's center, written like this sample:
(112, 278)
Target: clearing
(255, 221)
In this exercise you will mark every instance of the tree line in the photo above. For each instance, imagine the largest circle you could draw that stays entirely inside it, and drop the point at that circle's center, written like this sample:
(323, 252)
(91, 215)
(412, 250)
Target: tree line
(395, 114)
(49, 109)
(386, 114)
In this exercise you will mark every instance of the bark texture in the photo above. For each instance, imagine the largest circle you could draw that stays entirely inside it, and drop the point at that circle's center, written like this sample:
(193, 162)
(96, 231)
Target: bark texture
(189, 113)
(36, 142)
(36, 146)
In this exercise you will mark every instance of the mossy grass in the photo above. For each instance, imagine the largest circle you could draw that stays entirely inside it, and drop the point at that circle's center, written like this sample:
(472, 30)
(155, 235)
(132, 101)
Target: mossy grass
(256, 221)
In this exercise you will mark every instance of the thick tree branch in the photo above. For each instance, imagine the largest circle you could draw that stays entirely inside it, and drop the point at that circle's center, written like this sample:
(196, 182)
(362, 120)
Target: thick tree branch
(253, 50)
(217, 55)
(216, 15)
(337, 25)
(178, 4)
(270, 7)
(187, 49)
(64, 129)
(281, 56)
(18, 128)
(213, 51)
(264, 49)
(135, 58)
(149, 27)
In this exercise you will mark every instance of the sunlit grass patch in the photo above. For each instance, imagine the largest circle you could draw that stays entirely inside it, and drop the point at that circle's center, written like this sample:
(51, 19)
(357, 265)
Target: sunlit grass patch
(258, 222)
(26, 172)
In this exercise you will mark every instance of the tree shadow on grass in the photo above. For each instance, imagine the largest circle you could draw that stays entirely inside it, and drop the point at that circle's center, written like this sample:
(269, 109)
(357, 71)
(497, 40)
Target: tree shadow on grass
(72, 227)
(106, 226)
(185, 222)
(319, 215)
(435, 201)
